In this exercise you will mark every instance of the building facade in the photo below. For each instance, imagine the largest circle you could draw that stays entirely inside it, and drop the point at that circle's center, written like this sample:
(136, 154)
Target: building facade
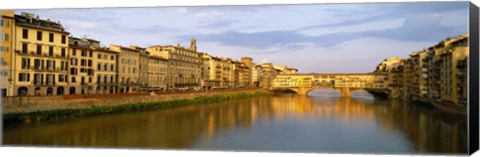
(105, 64)
(81, 70)
(157, 74)
(185, 66)
(436, 75)
(7, 24)
(40, 58)
(128, 68)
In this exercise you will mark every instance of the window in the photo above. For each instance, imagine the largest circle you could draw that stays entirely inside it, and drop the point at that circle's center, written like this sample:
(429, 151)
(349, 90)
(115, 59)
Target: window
(25, 63)
(73, 71)
(25, 33)
(50, 37)
(83, 53)
(63, 52)
(111, 67)
(99, 56)
(61, 78)
(50, 64)
(39, 35)
(39, 49)
(74, 52)
(112, 57)
(98, 79)
(3, 37)
(99, 66)
(38, 78)
(73, 80)
(37, 64)
(50, 51)
(89, 63)
(4, 23)
(3, 49)
(90, 53)
(23, 77)
(64, 39)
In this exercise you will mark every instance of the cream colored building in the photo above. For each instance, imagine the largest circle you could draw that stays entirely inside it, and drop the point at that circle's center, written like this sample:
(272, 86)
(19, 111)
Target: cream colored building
(40, 58)
(184, 66)
(157, 73)
(212, 71)
(105, 70)
(142, 68)
(393, 68)
(7, 25)
(128, 68)
(256, 75)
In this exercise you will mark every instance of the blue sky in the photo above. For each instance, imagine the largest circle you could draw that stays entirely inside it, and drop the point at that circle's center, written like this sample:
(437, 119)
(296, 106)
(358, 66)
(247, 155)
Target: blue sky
(323, 38)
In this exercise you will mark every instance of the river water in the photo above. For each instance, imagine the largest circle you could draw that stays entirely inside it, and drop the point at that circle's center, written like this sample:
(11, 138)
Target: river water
(323, 121)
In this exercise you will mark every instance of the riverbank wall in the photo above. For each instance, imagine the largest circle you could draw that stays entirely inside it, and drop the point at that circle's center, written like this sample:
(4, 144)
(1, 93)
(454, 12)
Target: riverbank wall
(25, 109)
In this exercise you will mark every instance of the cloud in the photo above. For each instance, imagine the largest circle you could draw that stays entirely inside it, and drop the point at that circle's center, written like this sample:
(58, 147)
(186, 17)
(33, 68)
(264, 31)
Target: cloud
(82, 24)
(208, 15)
(219, 24)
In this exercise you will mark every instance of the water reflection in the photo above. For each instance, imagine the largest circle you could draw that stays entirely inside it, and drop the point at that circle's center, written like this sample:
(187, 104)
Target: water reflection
(321, 122)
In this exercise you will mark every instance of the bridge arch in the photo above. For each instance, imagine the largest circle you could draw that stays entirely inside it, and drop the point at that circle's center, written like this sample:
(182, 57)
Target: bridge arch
(346, 92)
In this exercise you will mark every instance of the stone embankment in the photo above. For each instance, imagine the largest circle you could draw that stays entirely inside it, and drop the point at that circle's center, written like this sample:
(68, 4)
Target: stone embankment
(31, 109)
(45, 103)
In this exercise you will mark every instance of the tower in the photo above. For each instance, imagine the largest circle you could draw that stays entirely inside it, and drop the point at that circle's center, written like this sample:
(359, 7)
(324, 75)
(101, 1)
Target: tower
(193, 44)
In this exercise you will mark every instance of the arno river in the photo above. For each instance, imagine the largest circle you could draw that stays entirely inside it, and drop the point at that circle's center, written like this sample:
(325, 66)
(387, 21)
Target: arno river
(320, 122)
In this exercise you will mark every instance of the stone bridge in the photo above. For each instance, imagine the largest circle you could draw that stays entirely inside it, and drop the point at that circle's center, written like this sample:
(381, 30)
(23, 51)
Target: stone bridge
(343, 83)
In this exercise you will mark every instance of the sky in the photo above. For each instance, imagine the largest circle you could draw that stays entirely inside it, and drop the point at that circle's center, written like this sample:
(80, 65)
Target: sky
(320, 38)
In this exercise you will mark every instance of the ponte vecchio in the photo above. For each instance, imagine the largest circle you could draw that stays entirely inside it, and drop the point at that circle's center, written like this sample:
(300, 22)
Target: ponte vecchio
(343, 83)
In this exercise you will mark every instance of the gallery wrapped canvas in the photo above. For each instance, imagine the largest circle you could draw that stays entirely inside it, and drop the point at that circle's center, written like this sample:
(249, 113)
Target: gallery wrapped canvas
(356, 78)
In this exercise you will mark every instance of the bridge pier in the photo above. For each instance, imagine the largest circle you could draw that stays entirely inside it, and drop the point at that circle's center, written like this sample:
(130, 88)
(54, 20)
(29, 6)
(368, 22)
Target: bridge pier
(303, 91)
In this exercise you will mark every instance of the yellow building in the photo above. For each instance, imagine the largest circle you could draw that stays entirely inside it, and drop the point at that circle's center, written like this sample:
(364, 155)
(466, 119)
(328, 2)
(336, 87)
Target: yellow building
(393, 69)
(7, 25)
(268, 71)
(105, 73)
(142, 68)
(184, 66)
(211, 71)
(248, 61)
(452, 77)
(228, 74)
(81, 67)
(157, 73)
(241, 76)
(40, 58)
(128, 68)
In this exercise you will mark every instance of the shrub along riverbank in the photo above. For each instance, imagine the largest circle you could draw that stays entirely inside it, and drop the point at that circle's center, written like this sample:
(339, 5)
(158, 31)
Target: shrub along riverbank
(73, 113)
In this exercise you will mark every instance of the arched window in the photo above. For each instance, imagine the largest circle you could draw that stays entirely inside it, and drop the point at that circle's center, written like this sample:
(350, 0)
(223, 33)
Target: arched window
(60, 91)
(22, 91)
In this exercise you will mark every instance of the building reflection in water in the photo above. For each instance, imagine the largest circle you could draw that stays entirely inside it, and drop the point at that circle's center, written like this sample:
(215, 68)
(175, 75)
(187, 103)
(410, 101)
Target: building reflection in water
(195, 125)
